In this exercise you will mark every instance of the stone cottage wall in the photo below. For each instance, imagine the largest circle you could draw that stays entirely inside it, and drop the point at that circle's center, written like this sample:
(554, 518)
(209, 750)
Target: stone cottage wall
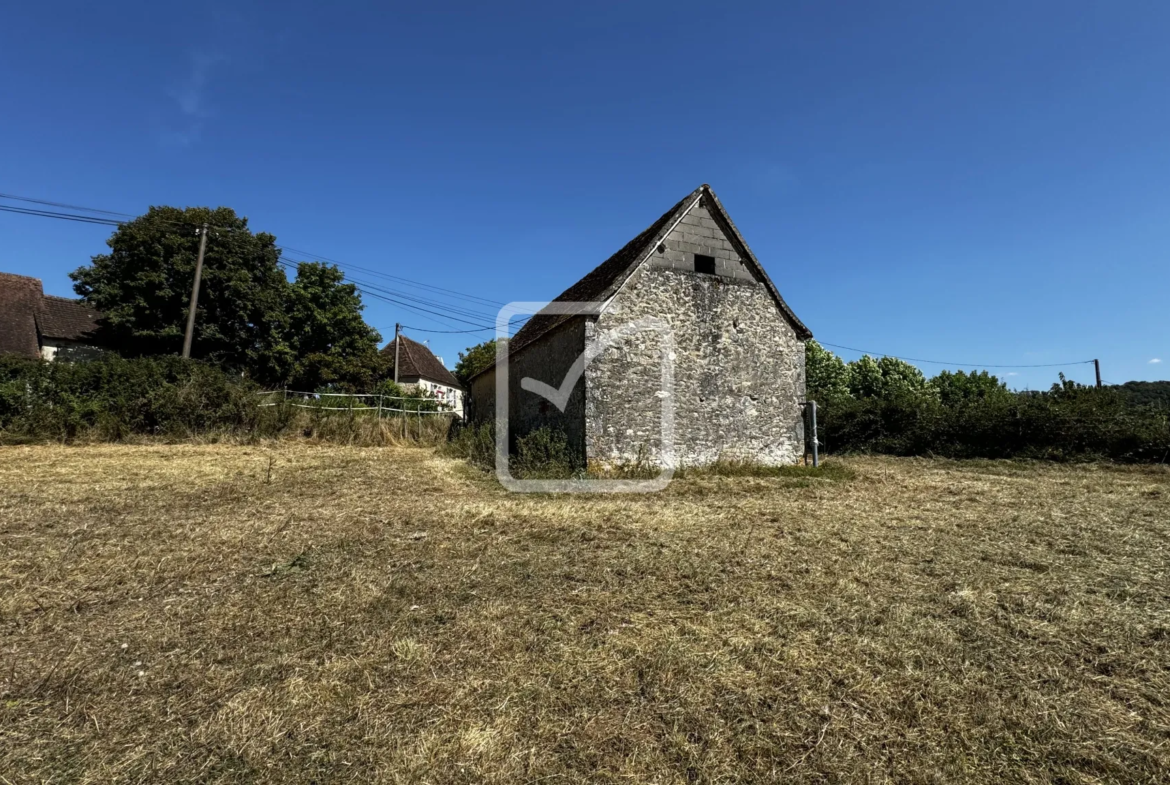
(738, 372)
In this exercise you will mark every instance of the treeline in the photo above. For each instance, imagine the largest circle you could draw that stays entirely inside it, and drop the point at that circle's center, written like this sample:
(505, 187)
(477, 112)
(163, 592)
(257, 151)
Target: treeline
(116, 398)
(1146, 393)
(889, 406)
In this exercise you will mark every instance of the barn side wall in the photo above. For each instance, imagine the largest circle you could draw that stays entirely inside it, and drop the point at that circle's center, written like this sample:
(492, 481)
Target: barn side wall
(548, 360)
(738, 373)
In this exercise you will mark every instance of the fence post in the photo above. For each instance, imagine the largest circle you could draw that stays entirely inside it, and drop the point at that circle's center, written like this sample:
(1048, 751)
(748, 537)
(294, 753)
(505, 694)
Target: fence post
(812, 415)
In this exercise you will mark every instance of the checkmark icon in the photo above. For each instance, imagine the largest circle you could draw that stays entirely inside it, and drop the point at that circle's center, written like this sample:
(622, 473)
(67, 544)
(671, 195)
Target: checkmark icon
(599, 338)
(559, 396)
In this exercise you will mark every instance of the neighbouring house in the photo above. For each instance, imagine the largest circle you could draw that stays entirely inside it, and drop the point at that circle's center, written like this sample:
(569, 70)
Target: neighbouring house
(35, 324)
(420, 368)
(736, 353)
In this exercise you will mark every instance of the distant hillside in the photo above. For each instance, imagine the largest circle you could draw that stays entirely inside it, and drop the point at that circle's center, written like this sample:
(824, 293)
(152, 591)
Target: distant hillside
(1146, 392)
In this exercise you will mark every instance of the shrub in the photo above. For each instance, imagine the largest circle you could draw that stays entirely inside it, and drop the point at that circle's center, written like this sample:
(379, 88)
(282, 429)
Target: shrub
(545, 454)
(112, 397)
(475, 444)
(1070, 422)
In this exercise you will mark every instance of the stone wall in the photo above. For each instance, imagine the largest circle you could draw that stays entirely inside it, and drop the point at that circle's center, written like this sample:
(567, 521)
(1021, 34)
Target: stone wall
(738, 365)
(738, 371)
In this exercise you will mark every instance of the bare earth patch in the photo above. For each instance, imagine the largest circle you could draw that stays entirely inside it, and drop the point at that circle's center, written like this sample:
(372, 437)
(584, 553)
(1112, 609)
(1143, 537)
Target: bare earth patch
(298, 613)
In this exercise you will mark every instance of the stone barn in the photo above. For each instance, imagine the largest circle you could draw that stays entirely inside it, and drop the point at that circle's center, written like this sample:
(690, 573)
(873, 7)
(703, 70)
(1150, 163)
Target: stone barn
(687, 290)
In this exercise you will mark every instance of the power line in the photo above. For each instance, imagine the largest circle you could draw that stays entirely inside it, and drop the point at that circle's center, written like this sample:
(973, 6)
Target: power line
(66, 206)
(392, 296)
(946, 362)
(418, 284)
(89, 219)
(113, 222)
(420, 302)
(393, 299)
(479, 330)
(93, 219)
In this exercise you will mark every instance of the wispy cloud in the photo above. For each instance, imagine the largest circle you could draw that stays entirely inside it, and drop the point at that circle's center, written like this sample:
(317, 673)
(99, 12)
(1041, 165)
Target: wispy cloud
(190, 97)
(1012, 373)
(1155, 361)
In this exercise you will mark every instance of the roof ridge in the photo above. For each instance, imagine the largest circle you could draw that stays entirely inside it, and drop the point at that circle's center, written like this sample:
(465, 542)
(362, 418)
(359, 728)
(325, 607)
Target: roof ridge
(24, 277)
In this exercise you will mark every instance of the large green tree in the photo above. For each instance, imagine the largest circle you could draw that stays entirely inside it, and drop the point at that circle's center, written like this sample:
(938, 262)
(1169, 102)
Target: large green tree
(143, 286)
(959, 387)
(826, 374)
(331, 341)
(887, 378)
(474, 360)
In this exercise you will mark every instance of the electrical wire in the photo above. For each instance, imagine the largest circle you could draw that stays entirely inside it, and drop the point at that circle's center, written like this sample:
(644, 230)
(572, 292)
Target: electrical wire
(93, 219)
(947, 362)
(404, 300)
(399, 302)
(115, 222)
(89, 219)
(66, 206)
(380, 274)
(450, 311)
(479, 330)
(371, 288)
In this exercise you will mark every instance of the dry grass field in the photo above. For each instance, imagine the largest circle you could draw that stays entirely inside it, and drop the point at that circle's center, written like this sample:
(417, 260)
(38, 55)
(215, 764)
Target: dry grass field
(308, 613)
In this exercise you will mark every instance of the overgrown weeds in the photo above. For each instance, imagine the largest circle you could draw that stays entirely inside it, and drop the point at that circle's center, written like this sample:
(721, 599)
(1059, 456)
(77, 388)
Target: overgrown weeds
(167, 398)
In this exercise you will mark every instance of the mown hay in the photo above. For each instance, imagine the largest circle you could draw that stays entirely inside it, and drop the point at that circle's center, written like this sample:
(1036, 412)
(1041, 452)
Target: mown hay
(308, 612)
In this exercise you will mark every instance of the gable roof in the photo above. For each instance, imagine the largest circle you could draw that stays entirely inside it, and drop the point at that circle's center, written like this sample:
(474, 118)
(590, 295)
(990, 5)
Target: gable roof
(419, 361)
(20, 299)
(28, 315)
(69, 320)
(603, 281)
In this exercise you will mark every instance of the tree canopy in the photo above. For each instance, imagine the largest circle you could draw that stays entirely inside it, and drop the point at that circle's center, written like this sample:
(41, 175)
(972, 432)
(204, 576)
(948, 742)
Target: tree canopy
(250, 319)
(327, 335)
(143, 287)
(474, 360)
(829, 379)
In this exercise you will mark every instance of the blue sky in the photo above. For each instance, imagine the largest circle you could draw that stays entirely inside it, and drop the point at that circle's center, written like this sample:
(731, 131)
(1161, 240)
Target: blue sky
(982, 183)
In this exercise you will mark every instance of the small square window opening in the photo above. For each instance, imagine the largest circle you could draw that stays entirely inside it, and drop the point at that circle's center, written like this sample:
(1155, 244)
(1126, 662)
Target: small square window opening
(704, 264)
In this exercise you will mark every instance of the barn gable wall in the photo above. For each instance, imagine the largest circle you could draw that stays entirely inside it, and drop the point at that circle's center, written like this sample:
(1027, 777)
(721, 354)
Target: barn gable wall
(698, 233)
(738, 368)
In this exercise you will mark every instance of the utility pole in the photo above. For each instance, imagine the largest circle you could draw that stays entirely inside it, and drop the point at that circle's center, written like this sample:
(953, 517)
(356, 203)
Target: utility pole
(195, 294)
(1097, 367)
(397, 347)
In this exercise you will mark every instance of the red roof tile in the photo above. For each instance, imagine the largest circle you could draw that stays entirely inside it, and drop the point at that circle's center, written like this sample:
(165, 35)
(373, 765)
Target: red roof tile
(419, 361)
(20, 299)
(65, 319)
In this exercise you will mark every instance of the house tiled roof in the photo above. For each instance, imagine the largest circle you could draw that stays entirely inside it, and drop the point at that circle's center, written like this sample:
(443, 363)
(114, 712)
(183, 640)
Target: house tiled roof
(605, 279)
(28, 315)
(68, 320)
(20, 300)
(419, 361)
